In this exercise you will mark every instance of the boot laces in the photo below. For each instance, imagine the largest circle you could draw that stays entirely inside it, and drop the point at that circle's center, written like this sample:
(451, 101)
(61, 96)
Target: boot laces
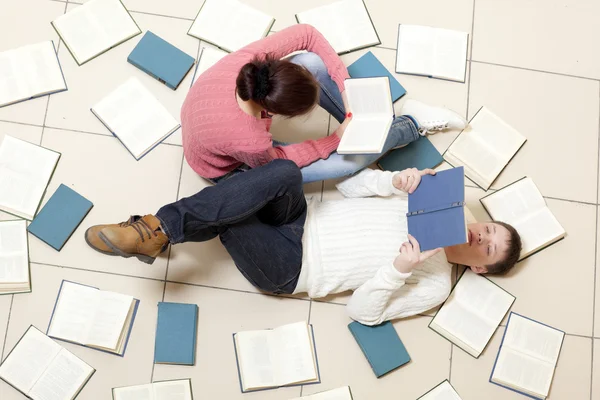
(142, 227)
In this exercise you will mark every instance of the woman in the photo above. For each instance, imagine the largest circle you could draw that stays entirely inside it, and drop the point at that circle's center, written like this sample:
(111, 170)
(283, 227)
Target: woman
(226, 116)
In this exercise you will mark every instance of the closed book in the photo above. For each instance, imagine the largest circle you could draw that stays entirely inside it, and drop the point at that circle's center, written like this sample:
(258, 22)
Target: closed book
(176, 333)
(59, 218)
(420, 154)
(160, 59)
(368, 66)
(381, 346)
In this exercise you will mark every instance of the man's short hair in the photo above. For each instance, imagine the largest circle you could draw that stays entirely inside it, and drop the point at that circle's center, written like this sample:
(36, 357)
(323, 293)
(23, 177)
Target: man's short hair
(512, 254)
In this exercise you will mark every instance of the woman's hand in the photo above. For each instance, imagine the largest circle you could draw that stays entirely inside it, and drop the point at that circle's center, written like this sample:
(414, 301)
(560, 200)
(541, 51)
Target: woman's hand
(409, 179)
(410, 255)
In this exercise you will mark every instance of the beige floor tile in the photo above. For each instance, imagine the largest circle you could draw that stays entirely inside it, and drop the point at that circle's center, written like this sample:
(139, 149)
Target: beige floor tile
(36, 308)
(596, 371)
(532, 42)
(5, 305)
(222, 313)
(100, 169)
(521, 99)
(470, 376)
(342, 362)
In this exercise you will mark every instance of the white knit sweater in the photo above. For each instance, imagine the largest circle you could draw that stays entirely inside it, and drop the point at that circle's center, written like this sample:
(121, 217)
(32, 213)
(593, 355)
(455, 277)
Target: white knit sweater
(351, 244)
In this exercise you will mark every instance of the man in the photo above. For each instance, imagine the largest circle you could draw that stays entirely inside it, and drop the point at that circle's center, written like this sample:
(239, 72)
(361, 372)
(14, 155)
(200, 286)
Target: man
(282, 244)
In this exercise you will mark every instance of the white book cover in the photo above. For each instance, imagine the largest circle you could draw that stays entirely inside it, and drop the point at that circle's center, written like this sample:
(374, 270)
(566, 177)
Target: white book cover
(136, 117)
(180, 389)
(30, 71)
(208, 57)
(95, 27)
(443, 391)
(14, 257)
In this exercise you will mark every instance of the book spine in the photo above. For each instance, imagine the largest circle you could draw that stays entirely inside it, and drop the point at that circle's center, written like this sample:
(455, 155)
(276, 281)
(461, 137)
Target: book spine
(434, 209)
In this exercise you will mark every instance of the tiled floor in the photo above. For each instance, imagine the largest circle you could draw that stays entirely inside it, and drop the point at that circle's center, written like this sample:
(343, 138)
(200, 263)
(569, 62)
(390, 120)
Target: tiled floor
(534, 62)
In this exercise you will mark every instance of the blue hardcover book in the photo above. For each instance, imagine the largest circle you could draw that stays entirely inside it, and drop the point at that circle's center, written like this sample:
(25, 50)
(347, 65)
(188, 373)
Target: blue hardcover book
(436, 210)
(368, 66)
(381, 346)
(162, 60)
(420, 154)
(59, 218)
(176, 332)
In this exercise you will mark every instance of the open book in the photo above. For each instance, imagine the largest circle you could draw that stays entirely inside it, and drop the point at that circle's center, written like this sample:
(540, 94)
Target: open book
(443, 391)
(93, 318)
(371, 104)
(272, 358)
(25, 171)
(434, 52)
(30, 71)
(472, 312)
(341, 393)
(164, 390)
(135, 117)
(41, 369)
(208, 58)
(346, 25)
(484, 148)
(230, 24)
(527, 357)
(94, 28)
(14, 258)
(521, 205)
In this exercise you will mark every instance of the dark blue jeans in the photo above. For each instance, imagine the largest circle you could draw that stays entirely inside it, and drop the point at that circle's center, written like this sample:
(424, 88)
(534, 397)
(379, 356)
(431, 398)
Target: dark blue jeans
(259, 217)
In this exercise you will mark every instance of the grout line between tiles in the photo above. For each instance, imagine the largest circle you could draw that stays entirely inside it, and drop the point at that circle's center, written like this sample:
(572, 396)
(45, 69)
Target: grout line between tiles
(535, 70)
(450, 369)
(470, 62)
(7, 324)
(386, 48)
(595, 257)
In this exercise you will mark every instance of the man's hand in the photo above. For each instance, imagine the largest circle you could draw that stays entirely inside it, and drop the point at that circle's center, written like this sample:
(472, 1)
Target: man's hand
(410, 255)
(409, 179)
(340, 131)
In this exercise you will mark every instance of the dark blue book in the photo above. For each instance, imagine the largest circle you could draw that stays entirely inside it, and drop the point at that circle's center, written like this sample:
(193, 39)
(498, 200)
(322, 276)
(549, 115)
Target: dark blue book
(420, 154)
(176, 333)
(161, 60)
(368, 66)
(59, 218)
(436, 210)
(381, 346)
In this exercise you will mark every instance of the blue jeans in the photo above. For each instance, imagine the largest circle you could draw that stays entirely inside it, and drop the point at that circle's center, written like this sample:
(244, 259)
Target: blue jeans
(259, 217)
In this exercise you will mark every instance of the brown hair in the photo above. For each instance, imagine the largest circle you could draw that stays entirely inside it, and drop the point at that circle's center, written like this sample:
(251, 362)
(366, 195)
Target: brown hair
(512, 253)
(279, 86)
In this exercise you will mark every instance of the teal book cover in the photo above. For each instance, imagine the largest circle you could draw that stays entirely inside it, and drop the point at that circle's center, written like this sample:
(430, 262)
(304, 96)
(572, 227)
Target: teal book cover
(176, 334)
(420, 154)
(368, 66)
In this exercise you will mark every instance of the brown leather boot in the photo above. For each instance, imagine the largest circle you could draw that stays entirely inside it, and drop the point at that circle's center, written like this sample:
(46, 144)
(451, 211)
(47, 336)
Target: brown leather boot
(142, 239)
(92, 239)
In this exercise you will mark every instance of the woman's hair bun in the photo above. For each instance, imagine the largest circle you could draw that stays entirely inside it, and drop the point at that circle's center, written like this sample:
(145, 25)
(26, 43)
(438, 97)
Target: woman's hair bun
(262, 86)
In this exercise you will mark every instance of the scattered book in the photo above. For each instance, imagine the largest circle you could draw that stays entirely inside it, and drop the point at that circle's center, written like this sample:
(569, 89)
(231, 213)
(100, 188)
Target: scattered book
(472, 313)
(420, 154)
(432, 52)
(93, 318)
(25, 171)
(373, 113)
(484, 148)
(135, 117)
(180, 389)
(15, 276)
(269, 359)
(521, 205)
(527, 357)
(230, 24)
(381, 346)
(436, 210)
(94, 28)
(346, 25)
(60, 216)
(29, 72)
(368, 66)
(41, 369)
(161, 60)
(443, 391)
(341, 393)
(176, 331)
(208, 57)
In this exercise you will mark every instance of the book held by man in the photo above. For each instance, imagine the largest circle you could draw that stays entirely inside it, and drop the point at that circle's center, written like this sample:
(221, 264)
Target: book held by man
(368, 66)
(527, 356)
(180, 389)
(176, 331)
(346, 25)
(95, 27)
(41, 369)
(25, 171)
(93, 318)
(30, 71)
(372, 114)
(230, 24)
(472, 313)
(14, 258)
(484, 148)
(341, 393)
(432, 52)
(284, 356)
(521, 205)
(443, 391)
(208, 57)
(135, 117)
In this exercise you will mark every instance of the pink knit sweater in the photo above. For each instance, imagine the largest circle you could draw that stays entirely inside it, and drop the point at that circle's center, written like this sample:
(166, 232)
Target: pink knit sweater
(218, 136)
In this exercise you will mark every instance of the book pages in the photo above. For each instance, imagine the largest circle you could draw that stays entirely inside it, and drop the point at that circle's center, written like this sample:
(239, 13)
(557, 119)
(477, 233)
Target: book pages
(139, 392)
(208, 58)
(443, 391)
(172, 390)
(341, 393)
(14, 261)
(294, 353)
(63, 379)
